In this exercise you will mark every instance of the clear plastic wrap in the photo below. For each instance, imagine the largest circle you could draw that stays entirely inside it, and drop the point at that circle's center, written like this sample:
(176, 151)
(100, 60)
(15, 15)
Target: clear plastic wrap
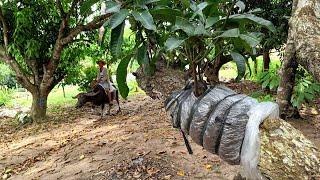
(251, 144)
(203, 110)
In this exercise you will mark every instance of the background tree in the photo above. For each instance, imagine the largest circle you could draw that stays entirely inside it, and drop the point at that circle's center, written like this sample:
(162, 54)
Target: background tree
(34, 39)
(278, 12)
(302, 48)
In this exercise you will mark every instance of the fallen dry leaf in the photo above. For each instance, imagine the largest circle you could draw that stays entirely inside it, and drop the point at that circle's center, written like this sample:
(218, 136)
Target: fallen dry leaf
(81, 157)
(181, 173)
(208, 167)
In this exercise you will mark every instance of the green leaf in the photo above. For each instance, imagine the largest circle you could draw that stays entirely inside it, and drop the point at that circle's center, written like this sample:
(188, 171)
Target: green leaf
(255, 19)
(166, 14)
(112, 7)
(117, 40)
(211, 21)
(185, 26)
(231, 33)
(150, 1)
(145, 18)
(241, 5)
(241, 64)
(266, 83)
(86, 6)
(142, 55)
(173, 43)
(200, 30)
(118, 18)
(121, 76)
(252, 41)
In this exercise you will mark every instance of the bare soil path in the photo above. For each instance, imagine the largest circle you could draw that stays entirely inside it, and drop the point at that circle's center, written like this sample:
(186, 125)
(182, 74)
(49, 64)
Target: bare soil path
(139, 143)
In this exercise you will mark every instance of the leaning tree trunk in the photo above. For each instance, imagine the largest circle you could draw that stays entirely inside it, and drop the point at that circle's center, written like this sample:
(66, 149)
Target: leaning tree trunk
(290, 153)
(302, 47)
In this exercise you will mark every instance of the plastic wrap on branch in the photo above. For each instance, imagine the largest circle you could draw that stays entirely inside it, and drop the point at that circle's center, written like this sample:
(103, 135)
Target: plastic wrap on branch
(227, 124)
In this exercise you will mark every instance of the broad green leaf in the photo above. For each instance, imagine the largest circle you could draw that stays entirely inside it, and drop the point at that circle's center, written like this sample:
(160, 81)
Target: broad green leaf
(166, 14)
(255, 19)
(119, 17)
(145, 18)
(86, 6)
(185, 26)
(200, 30)
(241, 5)
(231, 33)
(252, 41)
(241, 64)
(117, 40)
(211, 21)
(150, 1)
(185, 3)
(112, 7)
(173, 43)
(142, 55)
(121, 76)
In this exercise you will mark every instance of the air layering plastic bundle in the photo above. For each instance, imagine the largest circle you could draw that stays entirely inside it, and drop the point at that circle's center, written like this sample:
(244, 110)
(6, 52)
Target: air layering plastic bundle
(218, 121)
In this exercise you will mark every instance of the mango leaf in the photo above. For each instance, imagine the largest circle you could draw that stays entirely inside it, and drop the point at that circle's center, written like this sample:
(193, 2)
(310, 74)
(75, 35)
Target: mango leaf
(241, 64)
(231, 33)
(112, 7)
(117, 39)
(166, 14)
(142, 55)
(211, 21)
(86, 6)
(173, 43)
(255, 19)
(145, 18)
(252, 41)
(117, 18)
(121, 76)
(185, 26)
(241, 5)
(150, 1)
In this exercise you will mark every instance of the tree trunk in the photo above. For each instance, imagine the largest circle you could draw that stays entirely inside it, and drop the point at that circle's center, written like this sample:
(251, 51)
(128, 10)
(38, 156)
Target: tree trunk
(212, 71)
(302, 48)
(39, 105)
(266, 60)
(287, 74)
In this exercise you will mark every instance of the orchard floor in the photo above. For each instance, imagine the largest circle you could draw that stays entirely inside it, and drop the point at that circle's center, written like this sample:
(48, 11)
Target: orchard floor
(138, 143)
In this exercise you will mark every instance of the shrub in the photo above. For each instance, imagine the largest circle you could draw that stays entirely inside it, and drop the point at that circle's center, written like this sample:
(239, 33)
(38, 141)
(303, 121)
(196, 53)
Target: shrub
(5, 96)
(7, 77)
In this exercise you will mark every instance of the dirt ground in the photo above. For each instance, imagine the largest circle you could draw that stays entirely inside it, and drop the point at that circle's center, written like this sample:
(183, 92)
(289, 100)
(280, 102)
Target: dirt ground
(139, 143)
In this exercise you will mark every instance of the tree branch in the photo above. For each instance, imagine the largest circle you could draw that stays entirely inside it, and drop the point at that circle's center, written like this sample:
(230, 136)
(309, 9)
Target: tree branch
(5, 30)
(94, 24)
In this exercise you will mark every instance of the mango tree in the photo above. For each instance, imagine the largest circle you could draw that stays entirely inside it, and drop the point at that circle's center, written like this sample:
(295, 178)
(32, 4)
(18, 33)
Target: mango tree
(34, 38)
(203, 35)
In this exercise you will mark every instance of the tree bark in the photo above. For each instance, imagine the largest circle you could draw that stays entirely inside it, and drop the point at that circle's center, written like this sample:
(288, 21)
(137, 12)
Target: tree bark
(302, 48)
(212, 71)
(39, 105)
(266, 60)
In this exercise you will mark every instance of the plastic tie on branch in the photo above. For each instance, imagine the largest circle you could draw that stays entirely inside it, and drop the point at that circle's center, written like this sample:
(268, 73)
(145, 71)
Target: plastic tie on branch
(250, 152)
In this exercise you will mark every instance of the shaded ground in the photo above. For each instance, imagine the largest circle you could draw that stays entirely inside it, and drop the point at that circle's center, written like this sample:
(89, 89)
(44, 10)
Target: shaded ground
(139, 143)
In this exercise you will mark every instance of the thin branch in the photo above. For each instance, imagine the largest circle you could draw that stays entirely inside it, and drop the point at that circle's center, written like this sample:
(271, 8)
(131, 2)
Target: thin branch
(94, 24)
(5, 29)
